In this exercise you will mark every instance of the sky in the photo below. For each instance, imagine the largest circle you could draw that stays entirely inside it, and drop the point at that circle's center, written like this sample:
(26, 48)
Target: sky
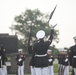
(64, 16)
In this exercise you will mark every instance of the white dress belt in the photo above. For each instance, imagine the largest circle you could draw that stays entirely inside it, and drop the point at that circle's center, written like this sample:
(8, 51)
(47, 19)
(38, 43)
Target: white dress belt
(74, 56)
(36, 55)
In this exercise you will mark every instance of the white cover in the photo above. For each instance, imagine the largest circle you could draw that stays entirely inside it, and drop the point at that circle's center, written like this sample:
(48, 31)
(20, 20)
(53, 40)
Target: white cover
(40, 34)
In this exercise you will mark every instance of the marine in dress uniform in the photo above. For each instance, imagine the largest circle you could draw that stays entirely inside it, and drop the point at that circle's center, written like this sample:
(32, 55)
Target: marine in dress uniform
(50, 62)
(20, 62)
(1, 73)
(32, 63)
(66, 63)
(4, 57)
(72, 56)
(40, 53)
(32, 68)
(61, 58)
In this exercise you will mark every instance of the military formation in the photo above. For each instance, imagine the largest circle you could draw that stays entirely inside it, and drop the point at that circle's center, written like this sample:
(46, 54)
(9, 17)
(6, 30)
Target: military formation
(42, 59)
(20, 62)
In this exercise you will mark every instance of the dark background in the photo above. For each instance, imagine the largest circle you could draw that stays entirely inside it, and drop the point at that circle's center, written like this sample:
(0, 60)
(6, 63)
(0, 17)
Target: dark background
(9, 42)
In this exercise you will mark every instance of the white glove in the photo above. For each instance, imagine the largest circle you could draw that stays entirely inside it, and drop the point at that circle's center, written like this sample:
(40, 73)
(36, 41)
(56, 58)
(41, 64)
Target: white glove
(49, 60)
(66, 60)
(19, 59)
(0, 57)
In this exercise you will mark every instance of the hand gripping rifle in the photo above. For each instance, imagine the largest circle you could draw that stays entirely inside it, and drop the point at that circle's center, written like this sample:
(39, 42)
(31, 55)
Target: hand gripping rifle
(52, 27)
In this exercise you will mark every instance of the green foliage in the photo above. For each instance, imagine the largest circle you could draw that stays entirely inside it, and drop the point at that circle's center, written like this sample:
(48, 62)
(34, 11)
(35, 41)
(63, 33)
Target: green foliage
(28, 23)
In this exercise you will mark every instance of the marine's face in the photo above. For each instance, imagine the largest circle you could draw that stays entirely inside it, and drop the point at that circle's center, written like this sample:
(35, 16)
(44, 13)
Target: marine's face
(49, 53)
(65, 52)
(20, 52)
(61, 52)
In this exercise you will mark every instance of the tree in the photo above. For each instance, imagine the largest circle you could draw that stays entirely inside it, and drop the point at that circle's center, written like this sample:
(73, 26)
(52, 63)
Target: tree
(28, 23)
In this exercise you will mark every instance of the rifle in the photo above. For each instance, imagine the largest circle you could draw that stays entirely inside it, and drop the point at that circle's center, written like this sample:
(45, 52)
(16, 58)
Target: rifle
(59, 69)
(29, 47)
(52, 14)
(72, 72)
(51, 17)
(1, 61)
(1, 64)
(63, 69)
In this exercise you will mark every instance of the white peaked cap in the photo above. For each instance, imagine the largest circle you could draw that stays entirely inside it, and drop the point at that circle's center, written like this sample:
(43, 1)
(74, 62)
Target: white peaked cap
(65, 50)
(74, 38)
(40, 34)
(20, 50)
(49, 50)
(61, 49)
